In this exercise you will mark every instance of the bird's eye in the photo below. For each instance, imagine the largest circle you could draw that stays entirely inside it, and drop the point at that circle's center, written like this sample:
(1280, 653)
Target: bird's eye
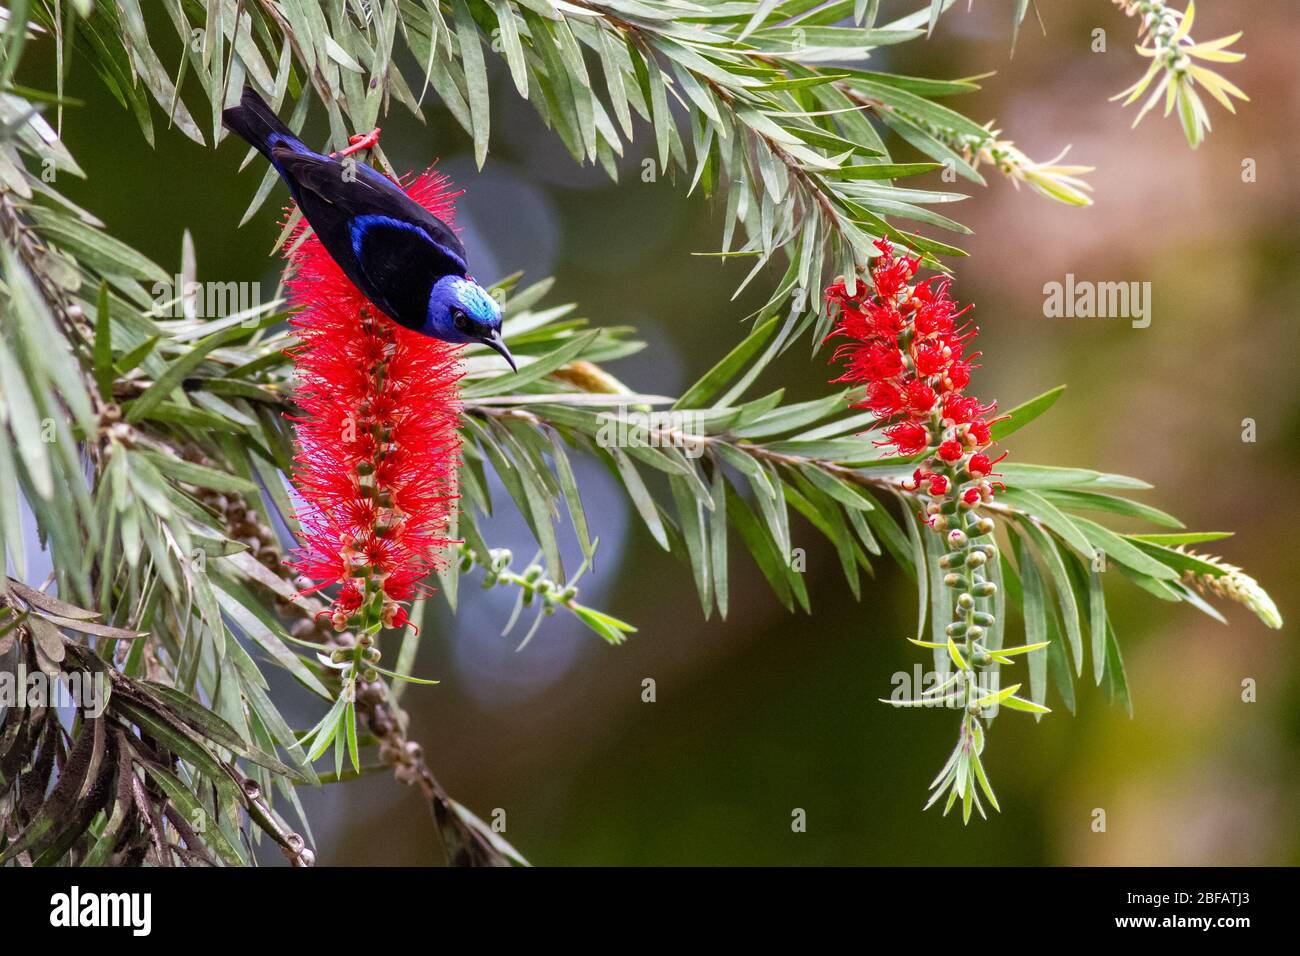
(462, 321)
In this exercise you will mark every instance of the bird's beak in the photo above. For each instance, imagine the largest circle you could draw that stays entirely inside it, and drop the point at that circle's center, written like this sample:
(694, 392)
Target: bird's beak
(497, 344)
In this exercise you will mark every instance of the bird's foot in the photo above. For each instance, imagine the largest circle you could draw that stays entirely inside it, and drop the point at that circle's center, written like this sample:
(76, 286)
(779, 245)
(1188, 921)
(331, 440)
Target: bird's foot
(359, 142)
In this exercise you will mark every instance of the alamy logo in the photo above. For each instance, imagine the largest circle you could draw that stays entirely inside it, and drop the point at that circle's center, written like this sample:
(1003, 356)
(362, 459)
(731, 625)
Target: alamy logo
(682, 430)
(84, 690)
(178, 298)
(133, 910)
(1102, 300)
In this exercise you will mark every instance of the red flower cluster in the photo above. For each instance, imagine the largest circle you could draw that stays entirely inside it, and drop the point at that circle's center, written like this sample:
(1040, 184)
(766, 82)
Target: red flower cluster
(905, 344)
(377, 438)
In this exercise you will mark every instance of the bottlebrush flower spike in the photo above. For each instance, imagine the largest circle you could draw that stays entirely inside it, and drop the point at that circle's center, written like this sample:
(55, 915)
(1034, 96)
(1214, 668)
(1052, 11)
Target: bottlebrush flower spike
(907, 344)
(377, 436)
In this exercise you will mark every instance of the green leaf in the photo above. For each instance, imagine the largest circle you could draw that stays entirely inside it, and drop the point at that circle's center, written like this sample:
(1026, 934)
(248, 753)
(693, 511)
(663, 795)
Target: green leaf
(476, 80)
(691, 513)
(572, 498)
(1092, 501)
(640, 495)
(1175, 540)
(718, 539)
(718, 376)
(103, 348)
(1065, 595)
(882, 170)
(1029, 707)
(194, 474)
(1127, 554)
(1035, 612)
(1055, 519)
(176, 373)
(1023, 414)
(1097, 624)
(761, 547)
(1116, 677)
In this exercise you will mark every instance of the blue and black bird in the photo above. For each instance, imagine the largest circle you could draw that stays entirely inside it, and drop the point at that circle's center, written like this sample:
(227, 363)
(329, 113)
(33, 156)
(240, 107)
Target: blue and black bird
(408, 262)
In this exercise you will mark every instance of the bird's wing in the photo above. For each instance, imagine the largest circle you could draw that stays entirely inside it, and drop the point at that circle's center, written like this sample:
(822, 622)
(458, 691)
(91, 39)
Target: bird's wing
(370, 194)
(400, 263)
(399, 250)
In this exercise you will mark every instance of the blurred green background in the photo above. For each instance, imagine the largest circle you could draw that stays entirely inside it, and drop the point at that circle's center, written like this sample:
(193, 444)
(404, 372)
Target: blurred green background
(768, 712)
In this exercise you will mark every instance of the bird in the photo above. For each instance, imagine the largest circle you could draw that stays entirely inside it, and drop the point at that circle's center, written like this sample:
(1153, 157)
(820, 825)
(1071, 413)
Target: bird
(405, 260)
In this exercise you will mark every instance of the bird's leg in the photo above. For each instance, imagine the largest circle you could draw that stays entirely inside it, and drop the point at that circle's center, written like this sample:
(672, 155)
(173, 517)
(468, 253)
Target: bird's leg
(359, 142)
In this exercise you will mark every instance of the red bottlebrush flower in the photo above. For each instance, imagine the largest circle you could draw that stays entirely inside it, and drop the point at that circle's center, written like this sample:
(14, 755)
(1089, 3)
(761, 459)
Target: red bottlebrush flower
(378, 447)
(904, 344)
(980, 467)
(911, 438)
(919, 396)
(982, 433)
(950, 450)
(931, 359)
(890, 275)
(886, 321)
(883, 398)
(855, 324)
(958, 376)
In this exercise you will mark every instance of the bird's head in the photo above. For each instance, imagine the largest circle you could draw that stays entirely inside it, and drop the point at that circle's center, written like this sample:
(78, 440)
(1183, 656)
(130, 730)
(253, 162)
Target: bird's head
(461, 310)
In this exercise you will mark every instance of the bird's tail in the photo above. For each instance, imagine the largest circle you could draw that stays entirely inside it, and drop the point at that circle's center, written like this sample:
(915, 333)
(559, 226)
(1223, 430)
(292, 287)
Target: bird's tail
(254, 120)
